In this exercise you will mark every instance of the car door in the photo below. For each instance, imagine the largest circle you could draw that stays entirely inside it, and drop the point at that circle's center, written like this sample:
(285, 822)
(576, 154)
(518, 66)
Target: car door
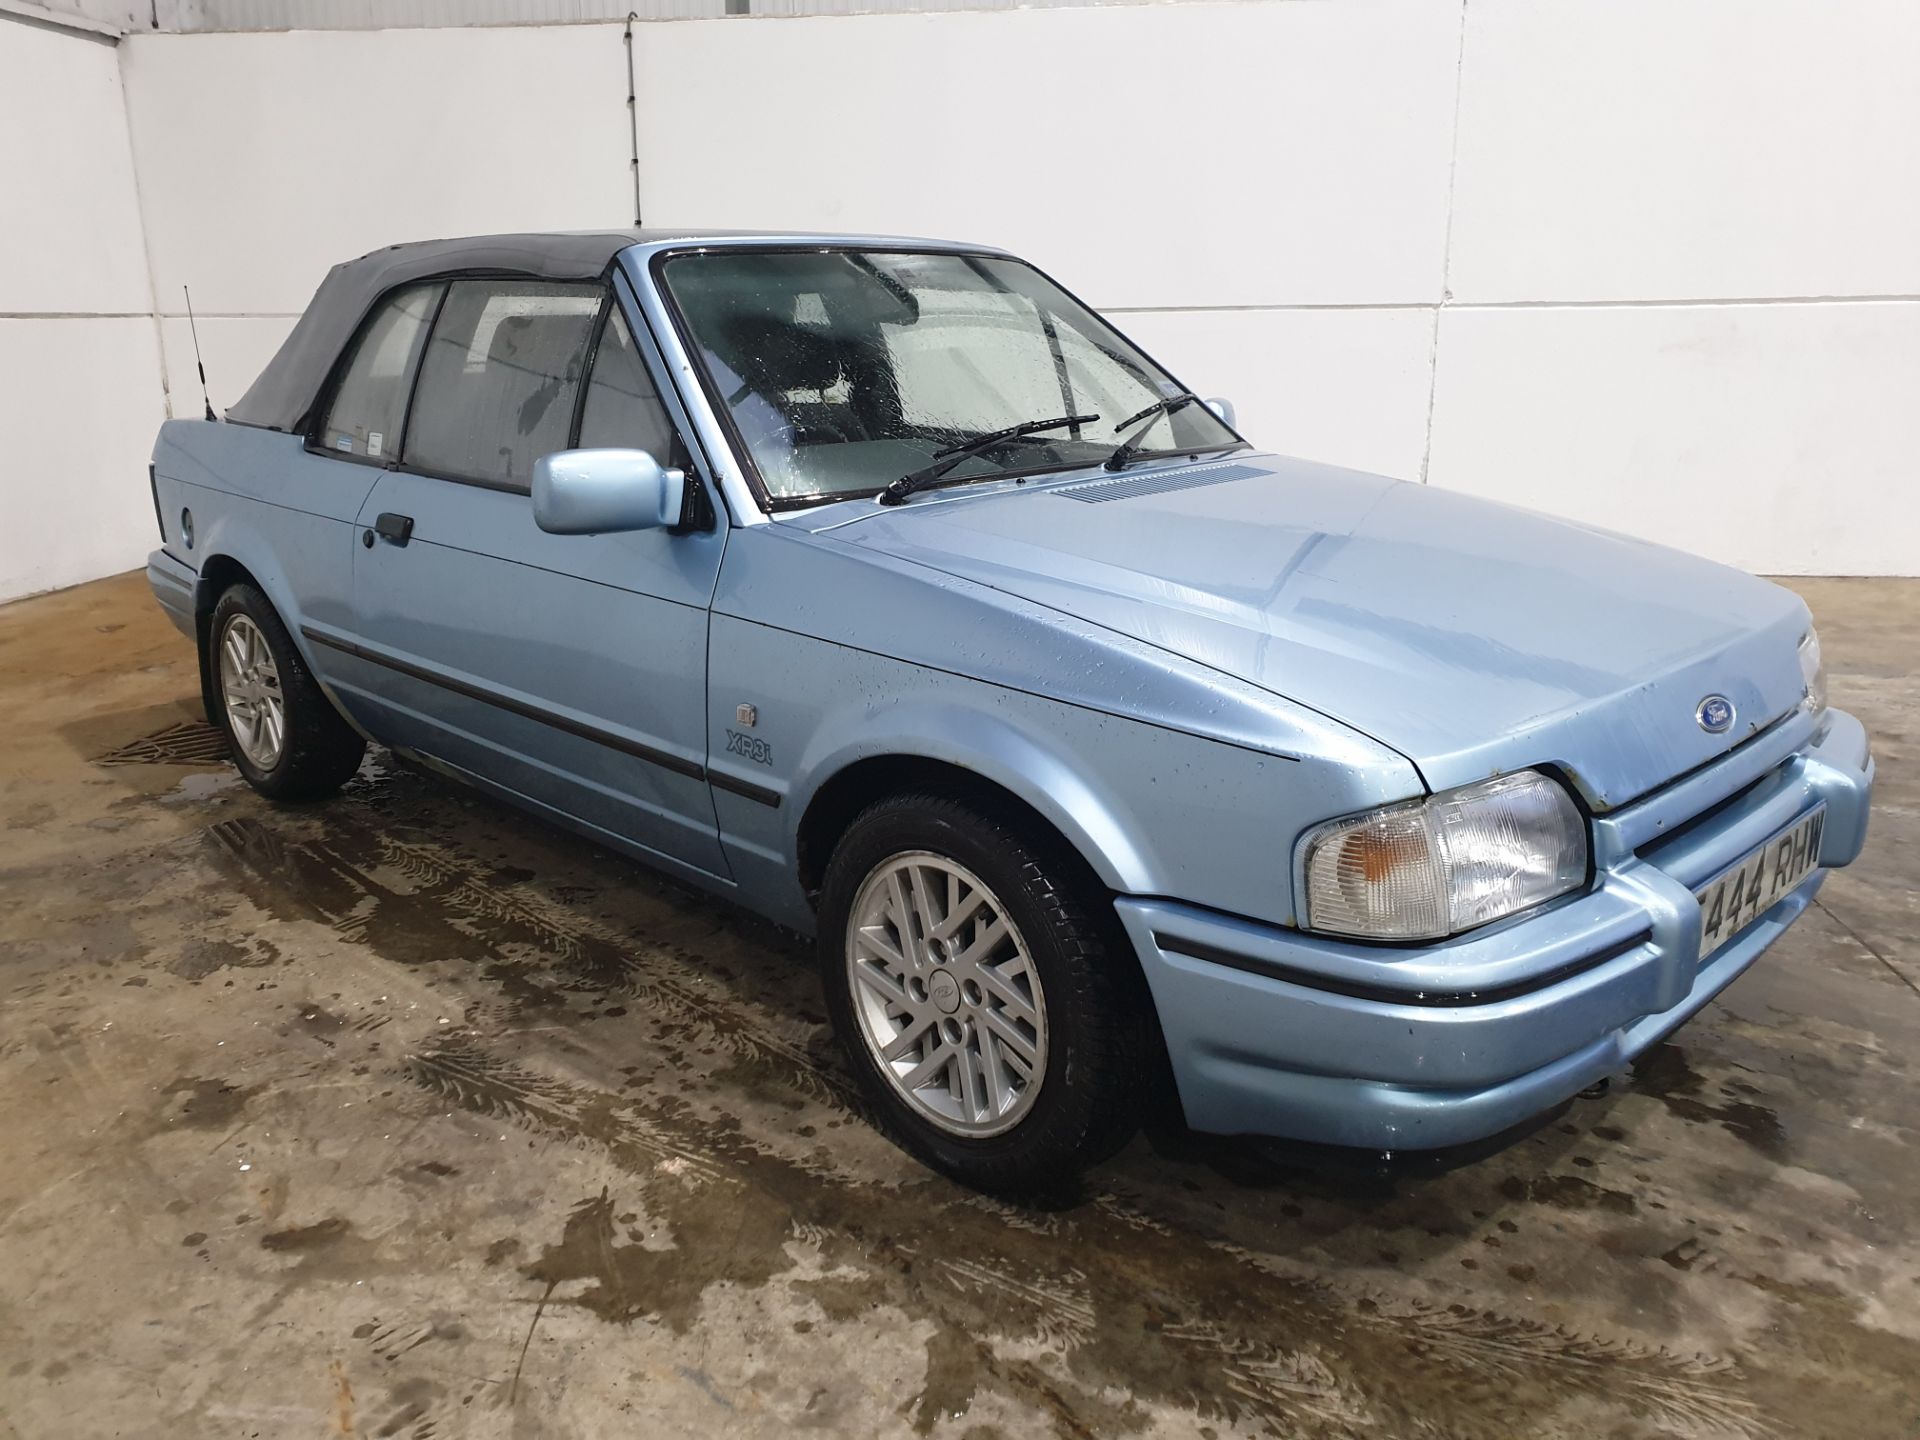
(568, 670)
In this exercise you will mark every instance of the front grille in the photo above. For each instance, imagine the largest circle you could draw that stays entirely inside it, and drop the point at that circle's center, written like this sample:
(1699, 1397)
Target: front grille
(1688, 802)
(1710, 815)
(1699, 847)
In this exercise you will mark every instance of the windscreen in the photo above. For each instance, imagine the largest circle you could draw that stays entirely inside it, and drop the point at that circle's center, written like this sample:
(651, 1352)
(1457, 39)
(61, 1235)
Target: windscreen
(843, 370)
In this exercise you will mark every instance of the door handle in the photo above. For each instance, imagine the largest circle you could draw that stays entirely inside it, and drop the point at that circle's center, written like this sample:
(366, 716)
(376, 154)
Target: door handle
(389, 526)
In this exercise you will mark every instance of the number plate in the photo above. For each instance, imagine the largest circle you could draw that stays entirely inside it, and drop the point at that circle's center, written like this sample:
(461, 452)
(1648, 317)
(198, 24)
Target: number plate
(1741, 893)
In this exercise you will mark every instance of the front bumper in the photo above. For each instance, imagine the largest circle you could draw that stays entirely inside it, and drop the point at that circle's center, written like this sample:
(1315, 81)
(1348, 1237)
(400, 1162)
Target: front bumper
(1275, 1032)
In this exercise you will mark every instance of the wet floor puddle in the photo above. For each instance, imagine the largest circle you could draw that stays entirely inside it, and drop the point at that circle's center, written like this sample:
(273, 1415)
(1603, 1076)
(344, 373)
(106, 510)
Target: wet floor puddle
(1159, 1288)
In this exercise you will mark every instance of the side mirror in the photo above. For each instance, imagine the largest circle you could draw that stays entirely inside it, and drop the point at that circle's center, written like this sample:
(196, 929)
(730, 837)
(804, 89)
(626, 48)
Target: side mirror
(594, 492)
(1222, 408)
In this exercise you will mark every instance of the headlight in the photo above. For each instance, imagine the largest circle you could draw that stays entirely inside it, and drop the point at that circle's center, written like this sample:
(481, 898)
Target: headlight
(1813, 670)
(1438, 866)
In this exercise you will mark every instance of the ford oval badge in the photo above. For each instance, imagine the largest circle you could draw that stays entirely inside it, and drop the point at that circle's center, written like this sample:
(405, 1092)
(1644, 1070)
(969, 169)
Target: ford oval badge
(1715, 714)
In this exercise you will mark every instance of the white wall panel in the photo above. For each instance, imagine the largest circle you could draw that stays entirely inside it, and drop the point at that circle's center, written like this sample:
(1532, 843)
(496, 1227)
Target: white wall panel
(1172, 155)
(1214, 166)
(70, 240)
(264, 159)
(1688, 149)
(1345, 386)
(1780, 438)
(81, 404)
(79, 389)
(236, 351)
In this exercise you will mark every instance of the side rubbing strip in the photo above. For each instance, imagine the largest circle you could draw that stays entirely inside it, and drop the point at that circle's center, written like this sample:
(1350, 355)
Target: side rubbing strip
(1384, 994)
(747, 788)
(648, 753)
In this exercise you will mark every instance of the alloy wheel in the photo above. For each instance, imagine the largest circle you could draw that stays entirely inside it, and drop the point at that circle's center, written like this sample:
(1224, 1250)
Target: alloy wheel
(250, 686)
(948, 1000)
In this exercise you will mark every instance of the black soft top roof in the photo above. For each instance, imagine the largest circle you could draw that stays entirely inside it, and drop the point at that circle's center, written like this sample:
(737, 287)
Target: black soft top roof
(287, 388)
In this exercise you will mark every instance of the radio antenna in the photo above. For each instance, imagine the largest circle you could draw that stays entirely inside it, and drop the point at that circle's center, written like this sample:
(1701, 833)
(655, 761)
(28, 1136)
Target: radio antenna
(198, 363)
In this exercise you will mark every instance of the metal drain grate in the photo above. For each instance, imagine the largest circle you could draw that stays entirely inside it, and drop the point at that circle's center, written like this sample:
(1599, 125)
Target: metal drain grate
(191, 742)
(1126, 487)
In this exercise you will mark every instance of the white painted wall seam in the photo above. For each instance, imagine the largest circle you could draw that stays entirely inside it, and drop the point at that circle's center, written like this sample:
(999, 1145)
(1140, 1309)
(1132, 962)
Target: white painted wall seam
(1688, 304)
(146, 245)
(1446, 246)
(1682, 303)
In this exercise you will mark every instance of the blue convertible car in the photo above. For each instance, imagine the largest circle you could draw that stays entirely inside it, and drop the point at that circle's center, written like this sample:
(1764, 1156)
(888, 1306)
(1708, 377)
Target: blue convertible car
(884, 587)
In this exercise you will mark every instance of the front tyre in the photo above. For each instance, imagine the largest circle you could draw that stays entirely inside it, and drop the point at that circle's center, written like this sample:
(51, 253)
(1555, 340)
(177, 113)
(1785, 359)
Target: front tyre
(975, 984)
(284, 734)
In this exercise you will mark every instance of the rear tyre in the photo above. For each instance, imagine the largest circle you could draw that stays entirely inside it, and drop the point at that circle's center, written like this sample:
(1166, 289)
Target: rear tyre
(977, 988)
(284, 733)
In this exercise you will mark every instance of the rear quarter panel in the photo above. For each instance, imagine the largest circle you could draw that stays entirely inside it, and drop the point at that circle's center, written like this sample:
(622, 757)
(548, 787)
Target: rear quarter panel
(259, 498)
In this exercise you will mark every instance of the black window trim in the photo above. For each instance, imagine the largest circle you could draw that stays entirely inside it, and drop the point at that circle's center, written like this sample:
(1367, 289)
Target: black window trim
(487, 482)
(723, 413)
(703, 513)
(316, 414)
(413, 384)
(315, 420)
(618, 292)
(600, 323)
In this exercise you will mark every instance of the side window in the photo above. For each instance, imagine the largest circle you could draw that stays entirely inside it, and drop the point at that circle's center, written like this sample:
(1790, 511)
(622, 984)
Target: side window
(500, 378)
(365, 415)
(622, 409)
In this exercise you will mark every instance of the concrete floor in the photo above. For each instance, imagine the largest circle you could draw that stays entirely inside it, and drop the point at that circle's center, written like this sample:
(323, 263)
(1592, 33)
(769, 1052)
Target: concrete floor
(402, 1115)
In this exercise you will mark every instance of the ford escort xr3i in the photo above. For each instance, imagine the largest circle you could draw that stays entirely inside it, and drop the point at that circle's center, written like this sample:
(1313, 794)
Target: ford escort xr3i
(883, 587)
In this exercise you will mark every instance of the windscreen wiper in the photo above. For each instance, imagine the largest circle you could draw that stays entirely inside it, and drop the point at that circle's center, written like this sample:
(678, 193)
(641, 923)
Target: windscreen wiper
(945, 460)
(1130, 447)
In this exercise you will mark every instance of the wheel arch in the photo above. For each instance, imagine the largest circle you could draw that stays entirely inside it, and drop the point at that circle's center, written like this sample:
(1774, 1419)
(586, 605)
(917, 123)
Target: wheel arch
(228, 564)
(850, 789)
(1076, 831)
(219, 573)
